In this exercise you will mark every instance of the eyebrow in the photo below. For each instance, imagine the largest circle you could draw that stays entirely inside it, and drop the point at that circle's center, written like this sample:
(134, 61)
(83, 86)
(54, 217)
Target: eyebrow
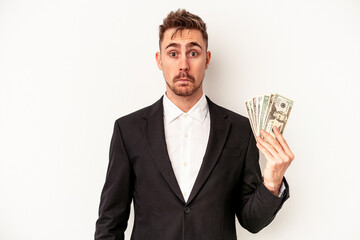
(190, 44)
(176, 45)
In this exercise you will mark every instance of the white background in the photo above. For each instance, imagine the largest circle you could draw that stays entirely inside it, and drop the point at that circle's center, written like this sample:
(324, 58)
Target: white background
(69, 69)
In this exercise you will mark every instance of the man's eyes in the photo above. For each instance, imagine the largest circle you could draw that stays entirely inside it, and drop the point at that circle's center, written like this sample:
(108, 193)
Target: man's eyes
(191, 54)
(173, 54)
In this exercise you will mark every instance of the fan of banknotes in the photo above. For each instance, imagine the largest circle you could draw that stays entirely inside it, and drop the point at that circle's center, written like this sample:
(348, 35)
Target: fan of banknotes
(268, 111)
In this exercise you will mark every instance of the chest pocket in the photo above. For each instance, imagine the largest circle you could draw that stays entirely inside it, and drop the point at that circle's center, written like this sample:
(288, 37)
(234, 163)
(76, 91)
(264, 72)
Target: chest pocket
(230, 153)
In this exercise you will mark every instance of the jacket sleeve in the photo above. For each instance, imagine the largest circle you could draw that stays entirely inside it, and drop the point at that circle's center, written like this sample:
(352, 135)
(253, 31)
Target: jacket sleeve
(258, 205)
(117, 192)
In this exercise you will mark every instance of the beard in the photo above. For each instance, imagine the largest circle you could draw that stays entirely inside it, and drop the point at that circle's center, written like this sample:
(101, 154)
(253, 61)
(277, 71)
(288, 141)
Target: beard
(185, 89)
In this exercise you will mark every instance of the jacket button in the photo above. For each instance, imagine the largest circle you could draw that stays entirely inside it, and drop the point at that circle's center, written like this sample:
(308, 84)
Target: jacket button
(187, 210)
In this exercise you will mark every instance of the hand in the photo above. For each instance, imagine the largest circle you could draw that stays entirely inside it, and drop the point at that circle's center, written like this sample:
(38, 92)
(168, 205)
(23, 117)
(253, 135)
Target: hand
(278, 158)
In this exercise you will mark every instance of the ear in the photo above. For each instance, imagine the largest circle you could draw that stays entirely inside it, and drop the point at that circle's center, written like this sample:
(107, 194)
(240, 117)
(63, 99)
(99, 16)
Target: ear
(208, 57)
(158, 60)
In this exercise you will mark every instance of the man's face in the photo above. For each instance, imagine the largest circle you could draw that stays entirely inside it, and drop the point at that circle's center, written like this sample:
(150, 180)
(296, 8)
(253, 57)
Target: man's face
(183, 59)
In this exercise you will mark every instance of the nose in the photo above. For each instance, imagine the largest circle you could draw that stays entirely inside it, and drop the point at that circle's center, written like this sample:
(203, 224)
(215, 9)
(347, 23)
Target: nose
(184, 64)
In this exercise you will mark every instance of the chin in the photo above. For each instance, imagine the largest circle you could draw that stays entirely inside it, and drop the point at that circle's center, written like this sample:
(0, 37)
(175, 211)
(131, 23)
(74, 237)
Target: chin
(185, 92)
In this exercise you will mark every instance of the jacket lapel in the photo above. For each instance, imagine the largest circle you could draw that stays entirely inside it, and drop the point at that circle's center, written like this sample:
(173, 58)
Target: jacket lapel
(153, 129)
(219, 128)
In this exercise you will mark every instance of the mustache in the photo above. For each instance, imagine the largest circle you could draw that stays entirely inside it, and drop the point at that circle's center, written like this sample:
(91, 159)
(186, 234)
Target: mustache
(184, 75)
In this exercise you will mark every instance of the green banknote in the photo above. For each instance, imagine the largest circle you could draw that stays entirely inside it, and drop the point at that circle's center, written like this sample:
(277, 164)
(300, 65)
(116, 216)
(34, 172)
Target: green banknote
(267, 111)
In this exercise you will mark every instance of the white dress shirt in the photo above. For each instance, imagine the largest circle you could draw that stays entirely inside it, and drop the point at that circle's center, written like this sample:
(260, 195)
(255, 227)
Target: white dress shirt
(187, 136)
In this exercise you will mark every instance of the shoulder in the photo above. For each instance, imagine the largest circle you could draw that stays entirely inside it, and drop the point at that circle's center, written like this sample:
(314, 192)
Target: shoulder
(230, 115)
(240, 132)
(138, 116)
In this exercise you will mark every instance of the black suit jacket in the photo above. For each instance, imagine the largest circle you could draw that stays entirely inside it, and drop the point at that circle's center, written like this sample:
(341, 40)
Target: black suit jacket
(229, 182)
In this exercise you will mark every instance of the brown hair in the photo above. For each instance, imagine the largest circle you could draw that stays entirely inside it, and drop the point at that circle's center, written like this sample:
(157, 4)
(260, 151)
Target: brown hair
(180, 20)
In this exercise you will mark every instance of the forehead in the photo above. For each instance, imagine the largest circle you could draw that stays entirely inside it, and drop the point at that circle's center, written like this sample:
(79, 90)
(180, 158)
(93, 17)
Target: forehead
(182, 36)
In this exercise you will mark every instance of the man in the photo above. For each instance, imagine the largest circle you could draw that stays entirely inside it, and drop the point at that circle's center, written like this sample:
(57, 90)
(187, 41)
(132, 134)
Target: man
(188, 165)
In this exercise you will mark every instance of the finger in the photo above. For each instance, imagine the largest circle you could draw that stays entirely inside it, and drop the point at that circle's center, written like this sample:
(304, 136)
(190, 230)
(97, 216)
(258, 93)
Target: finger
(280, 139)
(280, 155)
(266, 153)
(270, 139)
(269, 148)
(283, 143)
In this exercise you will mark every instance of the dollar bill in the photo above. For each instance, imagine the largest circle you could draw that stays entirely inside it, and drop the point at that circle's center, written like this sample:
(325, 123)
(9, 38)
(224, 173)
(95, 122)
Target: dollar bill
(255, 118)
(263, 111)
(278, 115)
(267, 111)
(260, 103)
(250, 117)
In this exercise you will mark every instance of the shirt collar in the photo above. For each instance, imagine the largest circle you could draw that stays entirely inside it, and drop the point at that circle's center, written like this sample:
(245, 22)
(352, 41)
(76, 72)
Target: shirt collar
(198, 112)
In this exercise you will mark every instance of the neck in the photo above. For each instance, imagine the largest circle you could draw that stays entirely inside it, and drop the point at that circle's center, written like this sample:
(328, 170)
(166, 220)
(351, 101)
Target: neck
(185, 103)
